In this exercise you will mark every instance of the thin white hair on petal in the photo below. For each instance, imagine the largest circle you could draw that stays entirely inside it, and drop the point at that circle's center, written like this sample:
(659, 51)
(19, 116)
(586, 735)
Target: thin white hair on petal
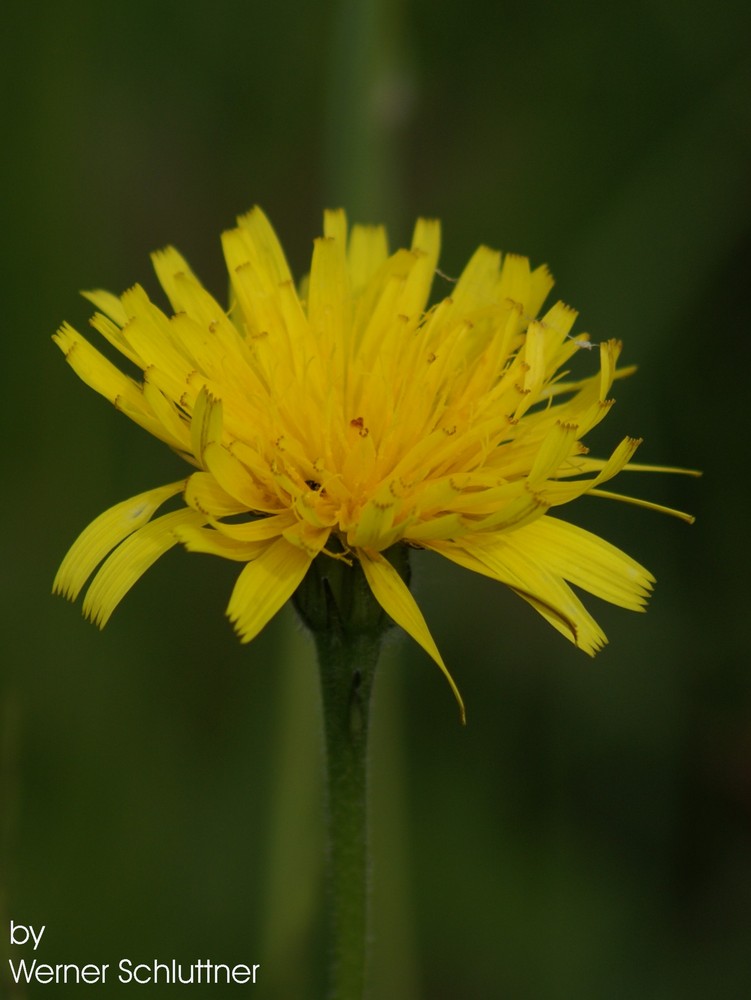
(446, 277)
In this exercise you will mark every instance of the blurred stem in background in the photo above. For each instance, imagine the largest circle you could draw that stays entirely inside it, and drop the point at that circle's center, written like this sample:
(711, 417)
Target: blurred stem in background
(369, 100)
(294, 864)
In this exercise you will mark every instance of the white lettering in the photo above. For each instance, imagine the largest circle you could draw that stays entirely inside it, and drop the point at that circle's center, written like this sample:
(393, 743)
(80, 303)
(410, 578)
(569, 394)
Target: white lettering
(40, 972)
(130, 973)
(243, 974)
(204, 971)
(22, 971)
(20, 934)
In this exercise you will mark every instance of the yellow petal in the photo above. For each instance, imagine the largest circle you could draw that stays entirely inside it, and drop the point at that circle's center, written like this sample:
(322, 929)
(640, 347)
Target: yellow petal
(175, 428)
(329, 297)
(518, 512)
(609, 352)
(267, 250)
(265, 585)
(557, 445)
(647, 504)
(560, 492)
(368, 249)
(236, 480)
(103, 534)
(533, 368)
(169, 264)
(159, 426)
(260, 529)
(114, 334)
(591, 642)
(109, 304)
(502, 560)
(514, 281)
(204, 494)
(207, 540)
(335, 225)
(150, 335)
(426, 245)
(95, 370)
(588, 561)
(393, 594)
(476, 286)
(129, 562)
(541, 281)
(307, 537)
(206, 423)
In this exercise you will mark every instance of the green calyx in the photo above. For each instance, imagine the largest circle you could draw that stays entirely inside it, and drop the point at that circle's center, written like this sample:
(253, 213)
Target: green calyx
(334, 597)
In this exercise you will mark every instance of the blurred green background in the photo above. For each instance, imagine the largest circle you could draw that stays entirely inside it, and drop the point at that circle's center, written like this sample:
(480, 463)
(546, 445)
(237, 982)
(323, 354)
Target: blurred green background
(588, 833)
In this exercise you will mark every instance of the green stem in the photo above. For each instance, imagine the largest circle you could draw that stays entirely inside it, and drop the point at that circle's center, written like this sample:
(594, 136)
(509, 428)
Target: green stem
(347, 665)
(335, 602)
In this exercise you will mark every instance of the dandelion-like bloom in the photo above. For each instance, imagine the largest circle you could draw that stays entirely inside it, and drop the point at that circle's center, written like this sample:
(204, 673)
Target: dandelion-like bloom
(349, 416)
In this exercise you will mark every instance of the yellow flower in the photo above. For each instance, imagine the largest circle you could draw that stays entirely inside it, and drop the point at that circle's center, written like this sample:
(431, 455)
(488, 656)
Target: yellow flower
(350, 416)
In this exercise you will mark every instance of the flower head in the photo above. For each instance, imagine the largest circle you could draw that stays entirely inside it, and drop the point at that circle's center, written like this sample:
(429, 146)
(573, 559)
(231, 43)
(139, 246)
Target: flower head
(348, 416)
